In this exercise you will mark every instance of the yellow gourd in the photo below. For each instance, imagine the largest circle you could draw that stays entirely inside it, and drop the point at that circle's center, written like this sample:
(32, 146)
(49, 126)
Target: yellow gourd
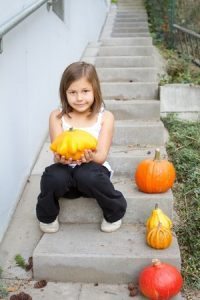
(159, 237)
(157, 216)
(72, 143)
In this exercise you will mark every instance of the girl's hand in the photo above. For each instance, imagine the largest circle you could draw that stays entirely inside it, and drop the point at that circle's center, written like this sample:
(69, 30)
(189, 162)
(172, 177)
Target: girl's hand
(61, 159)
(86, 157)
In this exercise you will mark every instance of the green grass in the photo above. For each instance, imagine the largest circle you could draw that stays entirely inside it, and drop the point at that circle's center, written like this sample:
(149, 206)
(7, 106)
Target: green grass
(184, 150)
(20, 261)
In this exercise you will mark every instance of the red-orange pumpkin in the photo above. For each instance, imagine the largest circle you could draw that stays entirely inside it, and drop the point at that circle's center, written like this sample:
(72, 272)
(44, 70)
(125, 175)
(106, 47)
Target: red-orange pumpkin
(155, 175)
(160, 281)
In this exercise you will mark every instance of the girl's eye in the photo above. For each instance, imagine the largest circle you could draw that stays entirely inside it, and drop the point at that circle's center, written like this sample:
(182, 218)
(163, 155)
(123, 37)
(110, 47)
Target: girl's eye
(72, 92)
(85, 91)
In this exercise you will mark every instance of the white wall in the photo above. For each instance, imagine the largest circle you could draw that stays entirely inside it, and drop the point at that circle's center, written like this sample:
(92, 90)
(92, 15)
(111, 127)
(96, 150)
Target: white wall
(35, 53)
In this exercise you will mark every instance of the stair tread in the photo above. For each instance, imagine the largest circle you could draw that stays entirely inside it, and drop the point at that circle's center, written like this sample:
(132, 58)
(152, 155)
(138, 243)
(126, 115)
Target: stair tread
(127, 241)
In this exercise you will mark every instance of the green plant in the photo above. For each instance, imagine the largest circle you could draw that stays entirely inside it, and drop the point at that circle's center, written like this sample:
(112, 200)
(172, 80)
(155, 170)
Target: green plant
(183, 148)
(178, 69)
(1, 271)
(3, 291)
(20, 261)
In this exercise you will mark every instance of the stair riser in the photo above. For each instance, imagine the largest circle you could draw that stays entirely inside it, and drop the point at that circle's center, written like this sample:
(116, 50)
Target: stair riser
(129, 91)
(147, 135)
(140, 17)
(123, 23)
(130, 34)
(128, 24)
(86, 210)
(137, 11)
(131, 29)
(125, 51)
(127, 75)
(121, 62)
(146, 41)
(85, 269)
(135, 111)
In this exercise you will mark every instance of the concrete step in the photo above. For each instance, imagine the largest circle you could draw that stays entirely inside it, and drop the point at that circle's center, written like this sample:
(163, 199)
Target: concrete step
(129, 91)
(130, 30)
(139, 205)
(127, 74)
(130, 24)
(137, 16)
(134, 20)
(126, 62)
(135, 34)
(131, 12)
(125, 51)
(134, 41)
(137, 41)
(82, 253)
(123, 158)
(138, 133)
(135, 110)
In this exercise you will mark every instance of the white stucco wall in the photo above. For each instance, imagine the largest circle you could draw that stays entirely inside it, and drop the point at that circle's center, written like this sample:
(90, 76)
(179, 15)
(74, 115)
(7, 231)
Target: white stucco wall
(35, 53)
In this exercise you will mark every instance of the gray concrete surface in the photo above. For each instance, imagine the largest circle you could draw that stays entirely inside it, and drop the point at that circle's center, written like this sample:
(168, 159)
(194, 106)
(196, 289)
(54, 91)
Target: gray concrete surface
(82, 253)
(23, 235)
(181, 99)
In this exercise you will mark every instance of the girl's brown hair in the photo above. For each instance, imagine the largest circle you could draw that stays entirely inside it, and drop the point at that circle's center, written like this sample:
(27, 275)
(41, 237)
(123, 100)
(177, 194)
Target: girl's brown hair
(76, 71)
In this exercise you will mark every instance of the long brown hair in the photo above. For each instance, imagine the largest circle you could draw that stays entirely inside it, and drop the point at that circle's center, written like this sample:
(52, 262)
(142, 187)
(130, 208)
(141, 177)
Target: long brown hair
(76, 71)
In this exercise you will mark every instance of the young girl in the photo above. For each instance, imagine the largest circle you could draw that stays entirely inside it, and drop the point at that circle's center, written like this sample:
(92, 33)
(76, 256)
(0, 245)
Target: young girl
(82, 108)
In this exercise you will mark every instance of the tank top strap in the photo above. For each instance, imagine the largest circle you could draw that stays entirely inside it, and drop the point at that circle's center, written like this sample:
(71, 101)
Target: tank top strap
(100, 115)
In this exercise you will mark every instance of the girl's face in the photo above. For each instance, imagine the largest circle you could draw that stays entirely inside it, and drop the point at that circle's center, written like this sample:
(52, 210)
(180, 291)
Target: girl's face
(80, 95)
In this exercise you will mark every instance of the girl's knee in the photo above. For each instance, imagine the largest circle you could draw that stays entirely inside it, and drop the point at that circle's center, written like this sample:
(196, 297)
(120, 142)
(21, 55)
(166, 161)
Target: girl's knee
(88, 176)
(54, 178)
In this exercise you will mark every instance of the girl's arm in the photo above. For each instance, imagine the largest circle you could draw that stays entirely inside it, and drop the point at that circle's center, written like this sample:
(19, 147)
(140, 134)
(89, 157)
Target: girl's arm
(55, 125)
(104, 141)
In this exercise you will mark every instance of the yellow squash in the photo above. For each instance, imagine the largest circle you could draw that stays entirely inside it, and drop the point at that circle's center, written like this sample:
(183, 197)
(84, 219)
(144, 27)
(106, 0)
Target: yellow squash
(159, 237)
(72, 143)
(157, 216)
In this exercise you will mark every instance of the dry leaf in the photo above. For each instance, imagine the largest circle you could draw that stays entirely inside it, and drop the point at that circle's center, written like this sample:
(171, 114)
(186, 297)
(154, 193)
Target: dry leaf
(40, 284)
(12, 289)
(29, 265)
(21, 296)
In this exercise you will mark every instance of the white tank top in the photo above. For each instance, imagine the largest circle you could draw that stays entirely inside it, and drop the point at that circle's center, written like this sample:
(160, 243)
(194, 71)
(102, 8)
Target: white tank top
(93, 130)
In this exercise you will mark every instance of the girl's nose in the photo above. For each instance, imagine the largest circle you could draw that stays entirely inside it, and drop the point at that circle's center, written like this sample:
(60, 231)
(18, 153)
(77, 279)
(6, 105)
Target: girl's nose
(79, 96)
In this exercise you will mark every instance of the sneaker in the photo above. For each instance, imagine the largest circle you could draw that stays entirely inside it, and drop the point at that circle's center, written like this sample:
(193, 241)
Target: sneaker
(51, 227)
(110, 227)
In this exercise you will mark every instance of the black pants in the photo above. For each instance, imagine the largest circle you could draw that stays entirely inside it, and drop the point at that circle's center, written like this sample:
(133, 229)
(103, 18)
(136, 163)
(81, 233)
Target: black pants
(90, 180)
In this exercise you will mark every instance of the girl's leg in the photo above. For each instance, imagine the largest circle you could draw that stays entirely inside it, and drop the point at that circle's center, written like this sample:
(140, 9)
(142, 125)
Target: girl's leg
(93, 180)
(55, 182)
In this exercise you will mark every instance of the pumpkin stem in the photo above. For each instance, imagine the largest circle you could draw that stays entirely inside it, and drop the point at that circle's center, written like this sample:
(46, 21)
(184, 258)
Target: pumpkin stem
(71, 128)
(156, 206)
(156, 262)
(157, 154)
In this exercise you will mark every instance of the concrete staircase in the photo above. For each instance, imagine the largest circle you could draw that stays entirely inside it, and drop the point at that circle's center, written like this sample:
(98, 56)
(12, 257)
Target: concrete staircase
(80, 252)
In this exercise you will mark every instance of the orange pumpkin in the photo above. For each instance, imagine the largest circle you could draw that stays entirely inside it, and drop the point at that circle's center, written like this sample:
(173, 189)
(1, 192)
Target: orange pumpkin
(155, 176)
